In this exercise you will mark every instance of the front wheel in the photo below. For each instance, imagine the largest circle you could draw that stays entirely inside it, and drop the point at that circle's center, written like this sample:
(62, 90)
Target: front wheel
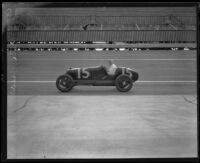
(64, 83)
(123, 83)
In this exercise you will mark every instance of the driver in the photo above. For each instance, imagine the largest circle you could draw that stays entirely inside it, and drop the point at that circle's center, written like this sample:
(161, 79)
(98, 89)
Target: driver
(112, 68)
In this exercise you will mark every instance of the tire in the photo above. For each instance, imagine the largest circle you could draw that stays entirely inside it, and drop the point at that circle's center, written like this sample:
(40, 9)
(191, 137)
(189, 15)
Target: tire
(64, 83)
(123, 83)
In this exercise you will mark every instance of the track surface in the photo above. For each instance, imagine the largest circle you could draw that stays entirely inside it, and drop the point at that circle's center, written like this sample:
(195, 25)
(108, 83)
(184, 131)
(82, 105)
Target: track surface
(176, 71)
(157, 118)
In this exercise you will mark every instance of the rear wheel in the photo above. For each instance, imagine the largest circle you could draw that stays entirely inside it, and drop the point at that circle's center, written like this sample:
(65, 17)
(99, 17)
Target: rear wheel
(64, 83)
(123, 83)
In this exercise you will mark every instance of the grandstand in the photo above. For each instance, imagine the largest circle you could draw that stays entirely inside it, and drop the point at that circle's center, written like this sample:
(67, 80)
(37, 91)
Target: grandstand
(130, 26)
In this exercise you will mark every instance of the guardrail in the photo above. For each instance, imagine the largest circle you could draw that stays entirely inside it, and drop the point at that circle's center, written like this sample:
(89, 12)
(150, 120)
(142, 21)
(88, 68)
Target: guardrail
(137, 45)
(98, 35)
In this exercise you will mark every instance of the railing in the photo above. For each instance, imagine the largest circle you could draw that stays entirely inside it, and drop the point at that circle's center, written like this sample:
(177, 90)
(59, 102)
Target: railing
(96, 35)
(92, 46)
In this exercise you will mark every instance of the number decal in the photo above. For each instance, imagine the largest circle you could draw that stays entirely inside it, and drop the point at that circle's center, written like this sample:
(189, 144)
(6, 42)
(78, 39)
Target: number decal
(126, 71)
(84, 73)
(123, 70)
(79, 73)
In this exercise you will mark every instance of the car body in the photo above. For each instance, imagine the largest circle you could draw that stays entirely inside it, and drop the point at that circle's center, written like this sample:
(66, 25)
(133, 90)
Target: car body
(123, 78)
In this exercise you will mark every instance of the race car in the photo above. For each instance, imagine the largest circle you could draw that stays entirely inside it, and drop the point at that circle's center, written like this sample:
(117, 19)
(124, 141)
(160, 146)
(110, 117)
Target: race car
(123, 78)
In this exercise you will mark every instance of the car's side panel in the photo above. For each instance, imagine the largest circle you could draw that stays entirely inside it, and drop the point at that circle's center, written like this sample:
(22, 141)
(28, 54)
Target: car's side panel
(80, 73)
(91, 73)
(99, 73)
(95, 82)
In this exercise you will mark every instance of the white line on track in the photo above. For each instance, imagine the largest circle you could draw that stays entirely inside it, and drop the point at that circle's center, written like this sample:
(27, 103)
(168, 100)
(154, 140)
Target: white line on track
(156, 59)
(136, 81)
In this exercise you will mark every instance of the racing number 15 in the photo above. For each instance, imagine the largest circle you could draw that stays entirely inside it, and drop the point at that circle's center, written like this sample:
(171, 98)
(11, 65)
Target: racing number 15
(85, 74)
(126, 71)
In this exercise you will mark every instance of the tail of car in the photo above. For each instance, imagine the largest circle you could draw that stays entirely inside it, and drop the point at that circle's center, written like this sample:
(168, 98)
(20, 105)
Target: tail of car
(135, 76)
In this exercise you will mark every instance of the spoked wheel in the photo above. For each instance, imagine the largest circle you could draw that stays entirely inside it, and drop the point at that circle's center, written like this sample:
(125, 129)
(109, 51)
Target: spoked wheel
(123, 83)
(64, 83)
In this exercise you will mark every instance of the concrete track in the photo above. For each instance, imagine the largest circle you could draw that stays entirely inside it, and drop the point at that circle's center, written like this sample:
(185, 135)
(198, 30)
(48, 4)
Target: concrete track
(157, 118)
(150, 88)
(152, 66)
(102, 126)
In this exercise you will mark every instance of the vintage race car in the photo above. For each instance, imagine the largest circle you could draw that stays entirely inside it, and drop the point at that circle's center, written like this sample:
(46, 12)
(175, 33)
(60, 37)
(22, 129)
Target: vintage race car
(123, 78)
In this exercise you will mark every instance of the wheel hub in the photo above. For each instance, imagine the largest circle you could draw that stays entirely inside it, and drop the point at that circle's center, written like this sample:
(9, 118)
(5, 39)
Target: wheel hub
(65, 82)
